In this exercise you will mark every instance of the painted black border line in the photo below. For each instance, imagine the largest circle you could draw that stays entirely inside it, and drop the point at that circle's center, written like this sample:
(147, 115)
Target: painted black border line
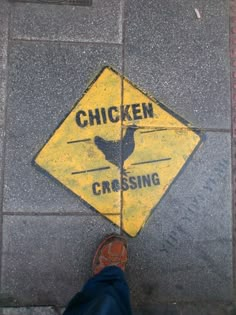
(198, 130)
(182, 120)
(155, 130)
(78, 141)
(91, 170)
(151, 161)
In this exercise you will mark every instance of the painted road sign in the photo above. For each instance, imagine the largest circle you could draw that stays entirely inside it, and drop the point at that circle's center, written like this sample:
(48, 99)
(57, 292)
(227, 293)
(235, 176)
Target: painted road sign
(115, 144)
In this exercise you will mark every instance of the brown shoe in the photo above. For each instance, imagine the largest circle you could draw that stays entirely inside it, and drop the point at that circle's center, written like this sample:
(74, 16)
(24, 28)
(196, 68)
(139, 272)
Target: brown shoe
(111, 252)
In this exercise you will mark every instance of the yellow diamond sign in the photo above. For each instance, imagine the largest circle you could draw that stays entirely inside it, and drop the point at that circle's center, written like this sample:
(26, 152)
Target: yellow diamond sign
(117, 144)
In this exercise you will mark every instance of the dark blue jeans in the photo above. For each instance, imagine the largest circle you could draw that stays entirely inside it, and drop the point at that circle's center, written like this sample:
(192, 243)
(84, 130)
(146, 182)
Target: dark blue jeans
(107, 293)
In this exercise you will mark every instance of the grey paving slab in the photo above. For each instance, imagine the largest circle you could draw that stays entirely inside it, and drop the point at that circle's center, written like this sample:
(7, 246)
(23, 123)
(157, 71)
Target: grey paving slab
(46, 260)
(180, 59)
(157, 310)
(99, 23)
(1, 154)
(161, 309)
(45, 80)
(184, 252)
(207, 309)
(3, 76)
(28, 311)
(4, 8)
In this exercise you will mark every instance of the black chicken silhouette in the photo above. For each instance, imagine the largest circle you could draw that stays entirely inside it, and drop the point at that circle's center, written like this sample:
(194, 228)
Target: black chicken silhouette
(112, 149)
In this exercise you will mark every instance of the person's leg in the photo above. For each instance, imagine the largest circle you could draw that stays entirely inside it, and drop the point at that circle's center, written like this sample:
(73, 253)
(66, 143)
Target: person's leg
(107, 292)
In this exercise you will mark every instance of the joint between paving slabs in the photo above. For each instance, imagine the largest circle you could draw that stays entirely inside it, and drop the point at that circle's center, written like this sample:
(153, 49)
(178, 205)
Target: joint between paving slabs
(5, 101)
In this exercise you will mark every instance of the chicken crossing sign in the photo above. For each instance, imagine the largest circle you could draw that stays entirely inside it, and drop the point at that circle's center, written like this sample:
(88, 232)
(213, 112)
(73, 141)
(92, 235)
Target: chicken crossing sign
(119, 150)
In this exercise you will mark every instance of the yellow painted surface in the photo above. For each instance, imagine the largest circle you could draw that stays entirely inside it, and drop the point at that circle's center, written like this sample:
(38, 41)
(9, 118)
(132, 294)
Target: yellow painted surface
(161, 147)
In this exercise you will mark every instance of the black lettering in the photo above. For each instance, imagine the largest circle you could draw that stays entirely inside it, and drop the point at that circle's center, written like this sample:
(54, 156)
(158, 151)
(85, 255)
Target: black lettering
(219, 171)
(106, 187)
(195, 201)
(186, 218)
(212, 180)
(224, 163)
(125, 185)
(115, 185)
(124, 112)
(139, 181)
(104, 116)
(147, 110)
(171, 244)
(163, 249)
(146, 180)
(181, 230)
(190, 210)
(173, 237)
(208, 187)
(95, 191)
(132, 182)
(78, 119)
(136, 110)
(155, 179)
(201, 196)
(95, 117)
(111, 117)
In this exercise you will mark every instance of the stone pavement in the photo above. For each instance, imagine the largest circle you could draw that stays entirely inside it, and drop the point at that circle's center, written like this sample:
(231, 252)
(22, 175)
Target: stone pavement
(48, 56)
